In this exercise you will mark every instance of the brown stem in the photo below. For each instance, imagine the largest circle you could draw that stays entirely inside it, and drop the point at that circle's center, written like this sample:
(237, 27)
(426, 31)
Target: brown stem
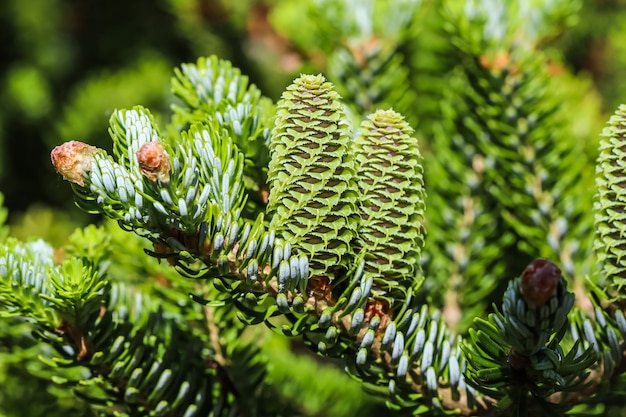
(77, 337)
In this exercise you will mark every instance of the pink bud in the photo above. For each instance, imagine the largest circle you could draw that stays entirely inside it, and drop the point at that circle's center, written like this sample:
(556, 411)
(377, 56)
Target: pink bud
(539, 282)
(154, 162)
(72, 159)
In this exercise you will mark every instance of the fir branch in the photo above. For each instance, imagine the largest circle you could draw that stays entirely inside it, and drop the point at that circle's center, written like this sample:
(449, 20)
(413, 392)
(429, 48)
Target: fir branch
(302, 264)
(399, 347)
(140, 359)
(372, 73)
(365, 55)
(518, 202)
(215, 88)
(22, 284)
(212, 90)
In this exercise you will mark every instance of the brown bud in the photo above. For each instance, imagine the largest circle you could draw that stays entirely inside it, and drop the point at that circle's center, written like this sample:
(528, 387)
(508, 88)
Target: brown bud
(539, 282)
(72, 159)
(154, 162)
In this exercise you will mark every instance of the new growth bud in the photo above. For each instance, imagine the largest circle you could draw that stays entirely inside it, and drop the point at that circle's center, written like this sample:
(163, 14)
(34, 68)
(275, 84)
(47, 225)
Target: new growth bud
(539, 282)
(72, 159)
(154, 162)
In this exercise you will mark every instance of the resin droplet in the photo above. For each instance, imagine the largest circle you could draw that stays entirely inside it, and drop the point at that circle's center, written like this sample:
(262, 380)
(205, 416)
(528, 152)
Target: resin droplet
(72, 159)
(154, 162)
(539, 282)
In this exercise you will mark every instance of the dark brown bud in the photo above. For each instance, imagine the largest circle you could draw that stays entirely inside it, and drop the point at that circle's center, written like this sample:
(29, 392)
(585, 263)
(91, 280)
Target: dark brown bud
(539, 282)
(72, 159)
(154, 162)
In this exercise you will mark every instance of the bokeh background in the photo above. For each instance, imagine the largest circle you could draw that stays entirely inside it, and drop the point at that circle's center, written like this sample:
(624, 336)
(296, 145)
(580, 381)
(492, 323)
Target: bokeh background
(65, 65)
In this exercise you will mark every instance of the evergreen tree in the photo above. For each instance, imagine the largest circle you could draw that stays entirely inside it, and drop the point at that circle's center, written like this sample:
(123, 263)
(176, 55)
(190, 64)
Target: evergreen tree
(446, 231)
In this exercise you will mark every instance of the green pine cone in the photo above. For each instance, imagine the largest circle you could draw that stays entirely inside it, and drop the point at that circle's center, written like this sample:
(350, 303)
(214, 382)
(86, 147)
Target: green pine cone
(312, 191)
(391, 205)
(610, 204)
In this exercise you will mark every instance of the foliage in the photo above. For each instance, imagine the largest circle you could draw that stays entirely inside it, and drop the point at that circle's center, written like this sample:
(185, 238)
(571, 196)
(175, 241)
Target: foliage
(430, 217)
(66, 67)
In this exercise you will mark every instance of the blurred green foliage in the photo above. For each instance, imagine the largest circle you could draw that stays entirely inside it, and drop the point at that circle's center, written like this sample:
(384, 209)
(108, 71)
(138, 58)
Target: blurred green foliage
(65, 65)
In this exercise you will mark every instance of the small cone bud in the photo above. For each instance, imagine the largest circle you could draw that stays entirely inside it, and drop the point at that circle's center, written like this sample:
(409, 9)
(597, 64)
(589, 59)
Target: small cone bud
(72, 159)
(539, 282)
(154, 162)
